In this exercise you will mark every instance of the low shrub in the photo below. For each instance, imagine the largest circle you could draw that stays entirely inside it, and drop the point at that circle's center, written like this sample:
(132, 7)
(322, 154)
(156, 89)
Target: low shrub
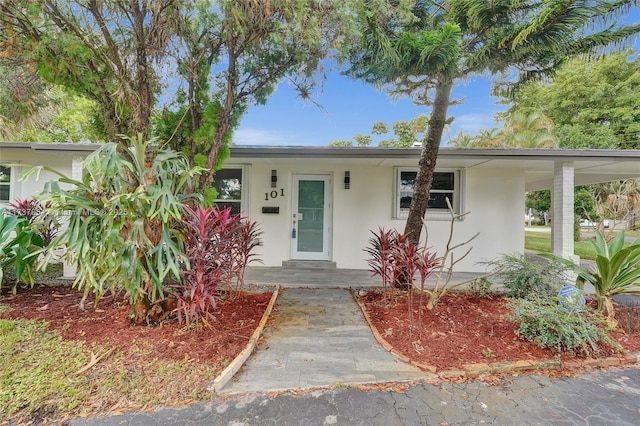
(481, 288)
(397, 261)
(547, 323)
(523, 277)
(40, 217)
(18, 243)
(217, 247)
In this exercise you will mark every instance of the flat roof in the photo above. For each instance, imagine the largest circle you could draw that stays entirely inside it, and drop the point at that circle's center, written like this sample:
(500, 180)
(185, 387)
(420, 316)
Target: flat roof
(590, 165)
(264, 151)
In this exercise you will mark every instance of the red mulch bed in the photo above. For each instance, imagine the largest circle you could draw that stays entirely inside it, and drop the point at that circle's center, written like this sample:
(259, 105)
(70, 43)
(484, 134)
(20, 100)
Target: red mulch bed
(226, 333)
(461, 329)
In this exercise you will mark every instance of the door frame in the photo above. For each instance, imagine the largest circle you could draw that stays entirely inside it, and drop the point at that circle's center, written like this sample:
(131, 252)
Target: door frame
(327, 216)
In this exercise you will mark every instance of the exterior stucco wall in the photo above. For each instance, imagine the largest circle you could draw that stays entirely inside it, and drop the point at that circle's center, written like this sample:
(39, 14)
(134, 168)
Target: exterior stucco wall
(495, 198)
(34, 185)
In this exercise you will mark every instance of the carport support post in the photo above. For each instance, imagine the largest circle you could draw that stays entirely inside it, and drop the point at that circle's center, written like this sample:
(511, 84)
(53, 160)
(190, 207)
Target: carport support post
(562, 198)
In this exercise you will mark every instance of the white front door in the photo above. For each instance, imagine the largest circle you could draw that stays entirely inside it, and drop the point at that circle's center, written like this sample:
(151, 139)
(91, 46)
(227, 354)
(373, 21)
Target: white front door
(311, 217)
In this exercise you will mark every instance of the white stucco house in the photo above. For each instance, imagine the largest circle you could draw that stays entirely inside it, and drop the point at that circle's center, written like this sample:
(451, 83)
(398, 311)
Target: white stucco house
(320, 203)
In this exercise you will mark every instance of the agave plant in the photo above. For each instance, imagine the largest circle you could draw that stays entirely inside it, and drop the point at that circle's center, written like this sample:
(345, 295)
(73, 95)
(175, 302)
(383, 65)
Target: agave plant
(616, 271)
(119, 231)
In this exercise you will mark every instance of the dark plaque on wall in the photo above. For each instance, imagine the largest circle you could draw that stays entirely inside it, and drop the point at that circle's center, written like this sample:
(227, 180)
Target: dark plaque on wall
(271, 210)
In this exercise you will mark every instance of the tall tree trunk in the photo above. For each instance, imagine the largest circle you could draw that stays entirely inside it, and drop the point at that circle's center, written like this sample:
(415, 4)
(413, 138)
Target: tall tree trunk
(428, 157)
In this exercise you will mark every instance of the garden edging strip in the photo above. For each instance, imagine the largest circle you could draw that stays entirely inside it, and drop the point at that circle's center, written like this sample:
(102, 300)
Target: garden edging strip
(233, 367)
(478, 369)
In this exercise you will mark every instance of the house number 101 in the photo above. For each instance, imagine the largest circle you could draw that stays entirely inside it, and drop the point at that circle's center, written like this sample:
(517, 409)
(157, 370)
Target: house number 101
(273, 194)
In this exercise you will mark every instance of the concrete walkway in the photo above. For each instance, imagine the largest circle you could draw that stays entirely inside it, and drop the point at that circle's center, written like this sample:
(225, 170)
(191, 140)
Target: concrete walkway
(319, 339)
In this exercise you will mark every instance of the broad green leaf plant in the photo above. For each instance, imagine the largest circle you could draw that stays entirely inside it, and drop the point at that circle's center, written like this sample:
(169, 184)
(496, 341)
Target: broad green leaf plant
(119, 221)
(617, 270)
(18, 243)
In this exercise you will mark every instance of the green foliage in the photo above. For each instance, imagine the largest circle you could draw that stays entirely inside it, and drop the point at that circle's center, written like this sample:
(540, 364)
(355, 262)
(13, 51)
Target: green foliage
(40, 219)
(425, 51)
(341, 143)
(593, 103)
(119, 232)
(539, 201)
(547, 323)
(526, 278)
(362, 140)
(406, 134)
(481, 288)
(36, 364)
(18, 244)
(584, 205)
(616, 270)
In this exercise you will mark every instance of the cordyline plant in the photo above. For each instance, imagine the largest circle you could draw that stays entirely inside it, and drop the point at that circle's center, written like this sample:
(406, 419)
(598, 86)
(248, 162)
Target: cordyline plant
(218, 246)
(394, 258)
(397, 261)
(119, 231)
(616, 271)
(39, 217)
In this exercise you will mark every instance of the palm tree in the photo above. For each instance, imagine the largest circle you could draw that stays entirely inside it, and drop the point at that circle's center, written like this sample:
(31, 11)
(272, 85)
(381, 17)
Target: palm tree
(424, 50)
(533, 130)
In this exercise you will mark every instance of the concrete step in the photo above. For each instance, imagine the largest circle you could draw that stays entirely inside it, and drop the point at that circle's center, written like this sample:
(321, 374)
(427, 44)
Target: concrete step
(308, 264)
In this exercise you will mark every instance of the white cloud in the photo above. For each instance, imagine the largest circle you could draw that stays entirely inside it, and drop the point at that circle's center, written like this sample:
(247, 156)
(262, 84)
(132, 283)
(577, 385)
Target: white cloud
(472, 123)
(255, 136)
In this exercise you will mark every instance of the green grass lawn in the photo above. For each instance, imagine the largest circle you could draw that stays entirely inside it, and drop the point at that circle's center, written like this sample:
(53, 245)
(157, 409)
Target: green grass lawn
(541, 242)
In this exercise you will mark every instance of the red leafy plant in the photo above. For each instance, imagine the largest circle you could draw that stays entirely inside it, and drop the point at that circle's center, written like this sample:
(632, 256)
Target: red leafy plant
(399, 262)
(40, 219)
(217, 247)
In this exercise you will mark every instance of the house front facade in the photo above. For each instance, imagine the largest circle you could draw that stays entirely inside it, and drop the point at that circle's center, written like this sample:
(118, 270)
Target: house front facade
(321, 203)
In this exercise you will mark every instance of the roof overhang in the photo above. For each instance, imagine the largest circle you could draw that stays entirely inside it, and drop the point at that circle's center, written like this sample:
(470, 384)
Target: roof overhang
(590, 166)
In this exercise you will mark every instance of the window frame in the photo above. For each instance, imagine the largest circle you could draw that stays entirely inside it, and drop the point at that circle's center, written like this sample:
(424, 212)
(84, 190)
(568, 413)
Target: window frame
(12, 182)
(245, 171)
(432, 213)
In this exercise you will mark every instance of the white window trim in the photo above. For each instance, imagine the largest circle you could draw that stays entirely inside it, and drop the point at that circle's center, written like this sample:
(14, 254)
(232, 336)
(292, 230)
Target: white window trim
(13, 181)
(245, 187)
(431, 214)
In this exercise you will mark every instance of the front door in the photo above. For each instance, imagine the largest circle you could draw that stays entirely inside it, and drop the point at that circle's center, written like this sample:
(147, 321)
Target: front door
(311, 217)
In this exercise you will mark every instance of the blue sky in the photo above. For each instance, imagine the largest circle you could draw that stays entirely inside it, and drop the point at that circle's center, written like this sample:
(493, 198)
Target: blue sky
(351, 107)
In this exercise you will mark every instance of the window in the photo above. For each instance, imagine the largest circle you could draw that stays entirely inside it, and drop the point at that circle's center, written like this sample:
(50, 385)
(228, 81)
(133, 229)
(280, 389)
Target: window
(5, 184)
(446, 185)
(229, 185)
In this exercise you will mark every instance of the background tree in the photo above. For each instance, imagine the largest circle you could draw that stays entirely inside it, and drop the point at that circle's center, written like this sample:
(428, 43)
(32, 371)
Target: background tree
(215, 59)
(407, 134)
(34, 111)
(380, 128)
(532, 130)
(362, 140)
(425, 49)
(539, 202)
(593, 103)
